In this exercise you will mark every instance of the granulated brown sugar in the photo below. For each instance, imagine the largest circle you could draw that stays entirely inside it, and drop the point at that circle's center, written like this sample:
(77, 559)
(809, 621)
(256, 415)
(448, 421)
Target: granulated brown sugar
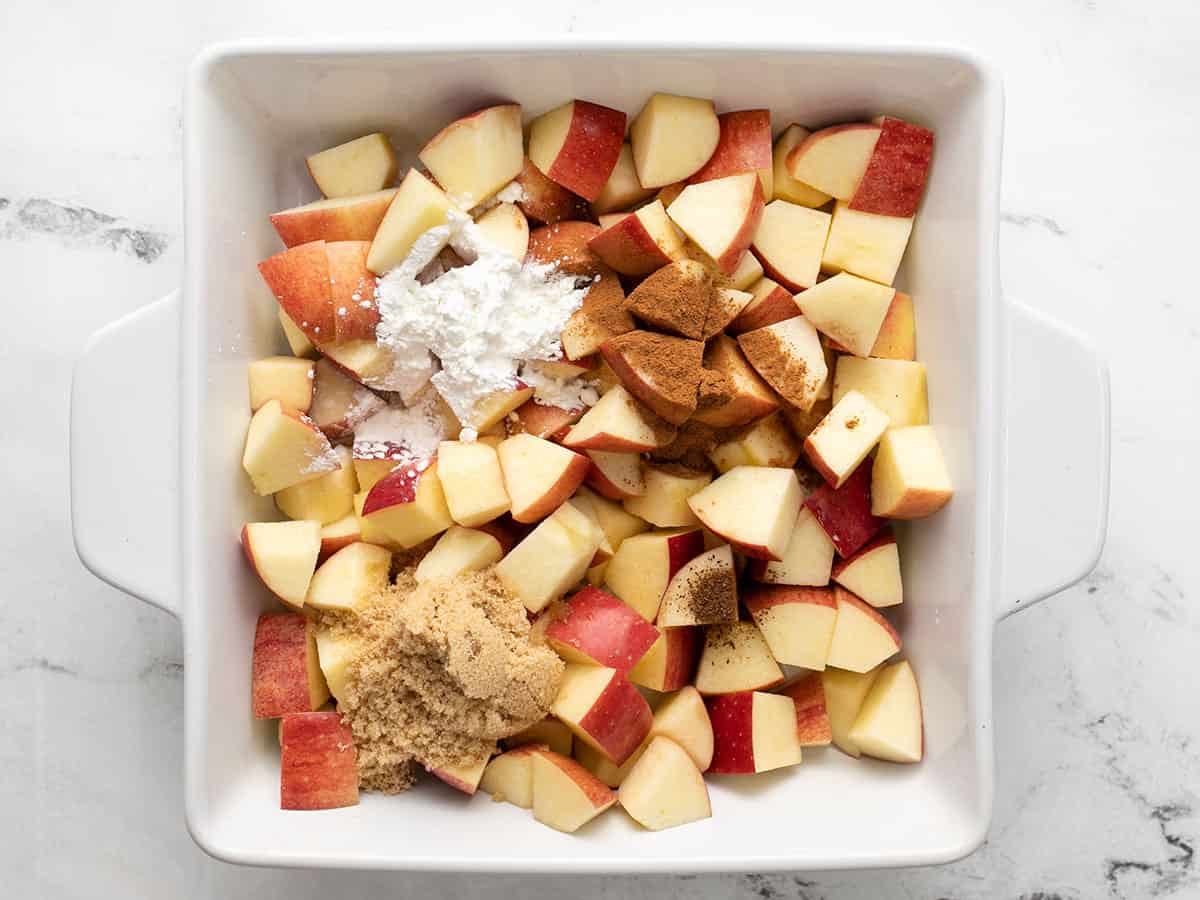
(667, 371)
(444, 670)
(676, 298)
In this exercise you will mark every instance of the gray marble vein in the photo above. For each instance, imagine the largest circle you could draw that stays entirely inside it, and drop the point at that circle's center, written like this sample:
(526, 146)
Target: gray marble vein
(79, 226)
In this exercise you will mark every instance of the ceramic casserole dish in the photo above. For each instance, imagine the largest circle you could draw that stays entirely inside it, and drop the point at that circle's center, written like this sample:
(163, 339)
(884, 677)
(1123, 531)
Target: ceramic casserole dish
(1020, 405)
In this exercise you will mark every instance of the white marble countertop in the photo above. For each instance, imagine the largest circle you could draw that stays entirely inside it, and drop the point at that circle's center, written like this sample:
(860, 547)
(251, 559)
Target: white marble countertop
(1098, 751)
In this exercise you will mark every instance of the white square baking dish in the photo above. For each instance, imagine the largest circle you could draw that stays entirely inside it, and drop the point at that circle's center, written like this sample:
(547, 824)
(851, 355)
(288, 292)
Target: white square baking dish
(1020, 405)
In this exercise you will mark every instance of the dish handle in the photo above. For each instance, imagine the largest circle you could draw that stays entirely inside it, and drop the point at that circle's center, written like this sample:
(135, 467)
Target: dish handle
(125, 454)
(1057, 459)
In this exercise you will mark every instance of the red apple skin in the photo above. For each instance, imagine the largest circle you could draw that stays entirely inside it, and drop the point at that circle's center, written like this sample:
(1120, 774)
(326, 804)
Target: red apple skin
(841, 595)
(457, 783)
(669, 410)
(590, 150)
(604, 628)
(545, 201)
(603, 485)
(330, 546)
(279, 683)
(812, 715)
(732, 717)
(728, 261)
(885, 537)
(776, 306)
(845, 513)
(619, 720)
(683, 652)
(396, 487)
(765, 596)
(318, 764)
(744, 145)
(571, 478)
(349, 277)
(597, 792)
(299, 279)
(351, 222)
(565, 244)
(629, 248)
(896, 172)
(549, 422)
(682, 549)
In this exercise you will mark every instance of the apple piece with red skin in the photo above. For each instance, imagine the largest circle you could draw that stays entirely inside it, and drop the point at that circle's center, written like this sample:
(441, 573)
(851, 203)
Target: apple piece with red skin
(552, 558)
(544, 201)
(873, 573)
(577, 145)
(721, 217)
(726, 306)
(338, 219)
(786, 187)
(349, 576)
(620, 424)
(565, 245)
(622, 190)
(807, 561)
(286, 676)
(683, 717)
(419, 205)
(509, 776)
(473, 157)
(566, 796)
(299, 280)
(601, 630)
(318, 766)
(743, 145)
(751, 507)
(750, 396)
(909, 477)
(352, 291)
(644, 565)
(542, 421)
(894, 179)
(409, 504)
(796, 622)
(284, 555)
(664, 788)
(639, 243)
(736, 658)
(812, 716)
(896, 386)
(660, 370)
(839, 443)
(603, 709)
(564, 366)
(835, 159)
(464, 776)
(375, 366)
(665, 500)
(889, 726)
(862, 638)
(672, 138)
(848, 309)
(283, 448)
(897, 337)
(340, 404)
(752, 732)
(789, 357)
(670, 662)
(339, 534)
(540, 475)
(789, 243)
(617, 476)
(651, 301)
(845, 512)
(703, 592)
(769, 303)
(505, 227)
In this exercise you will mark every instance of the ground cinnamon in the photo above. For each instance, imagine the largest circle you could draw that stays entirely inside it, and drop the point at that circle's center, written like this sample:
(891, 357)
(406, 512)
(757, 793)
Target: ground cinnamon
(676, 298)
(662, 371)
(779, 368)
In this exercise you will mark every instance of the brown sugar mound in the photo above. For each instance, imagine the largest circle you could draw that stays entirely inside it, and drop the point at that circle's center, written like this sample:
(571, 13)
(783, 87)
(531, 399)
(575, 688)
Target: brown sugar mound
(661, 371)
(444, 670)
(676, 298)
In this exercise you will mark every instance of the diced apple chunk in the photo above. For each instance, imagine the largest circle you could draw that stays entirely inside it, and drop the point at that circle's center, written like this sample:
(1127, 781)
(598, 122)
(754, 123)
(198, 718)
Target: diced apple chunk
(812, 715)
(753, 732)
(834, 159)
(672, 138)
(862, 638)
(622, 190)
(325, 499)
(472, 481)
(736, 658)
(539, 475)
(318, 763)
(797, 622)
(909, 477)
(789, 243)
(789, 357)
(552, 558)
(865, 244)
(419, 205)
(566, 796)
(644, 564)
(286, 675)
(670, 662)
(896, 386)
(284, 556)
(509, 776)
(786, 187)
(507, 228)
(889, 725)
(873, 573)
(842, 440)
(844, 695)
(721, 217)
(354, 218)
(807, 561)
(284, 447)
(752, 507)
(577, 145)
(349, 576)
(356, 167)
(665, 500)
(599, 629)
(459, 550)
(848, 309)
(473, 157)
(619, 424)
(603, 709)
(664, 789)
(284, 378)
(703, 592)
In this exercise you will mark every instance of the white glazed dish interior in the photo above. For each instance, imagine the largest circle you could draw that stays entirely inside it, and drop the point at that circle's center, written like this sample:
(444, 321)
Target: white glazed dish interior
(253, 114)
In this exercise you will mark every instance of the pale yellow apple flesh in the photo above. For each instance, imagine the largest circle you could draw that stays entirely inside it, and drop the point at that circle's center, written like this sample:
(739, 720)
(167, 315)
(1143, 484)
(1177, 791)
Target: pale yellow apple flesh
(664, 789)
(736, 658)
(360, 166)
(889, 724)
(349, 576)
(457, 551)
(909, 479)
(841, 441)
(472, 481)
(284, 555)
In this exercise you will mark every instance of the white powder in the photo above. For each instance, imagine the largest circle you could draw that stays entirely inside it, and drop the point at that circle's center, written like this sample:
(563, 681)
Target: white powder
(567, 393)
(403, 434)
(324, 461)
(510, 193)
(480, 320)
(409, 373)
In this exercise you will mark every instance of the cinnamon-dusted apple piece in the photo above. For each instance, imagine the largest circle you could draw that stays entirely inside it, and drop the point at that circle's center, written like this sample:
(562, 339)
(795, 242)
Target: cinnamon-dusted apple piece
(602, 316)
(675, 299)
(660, 370)
(565, 244)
